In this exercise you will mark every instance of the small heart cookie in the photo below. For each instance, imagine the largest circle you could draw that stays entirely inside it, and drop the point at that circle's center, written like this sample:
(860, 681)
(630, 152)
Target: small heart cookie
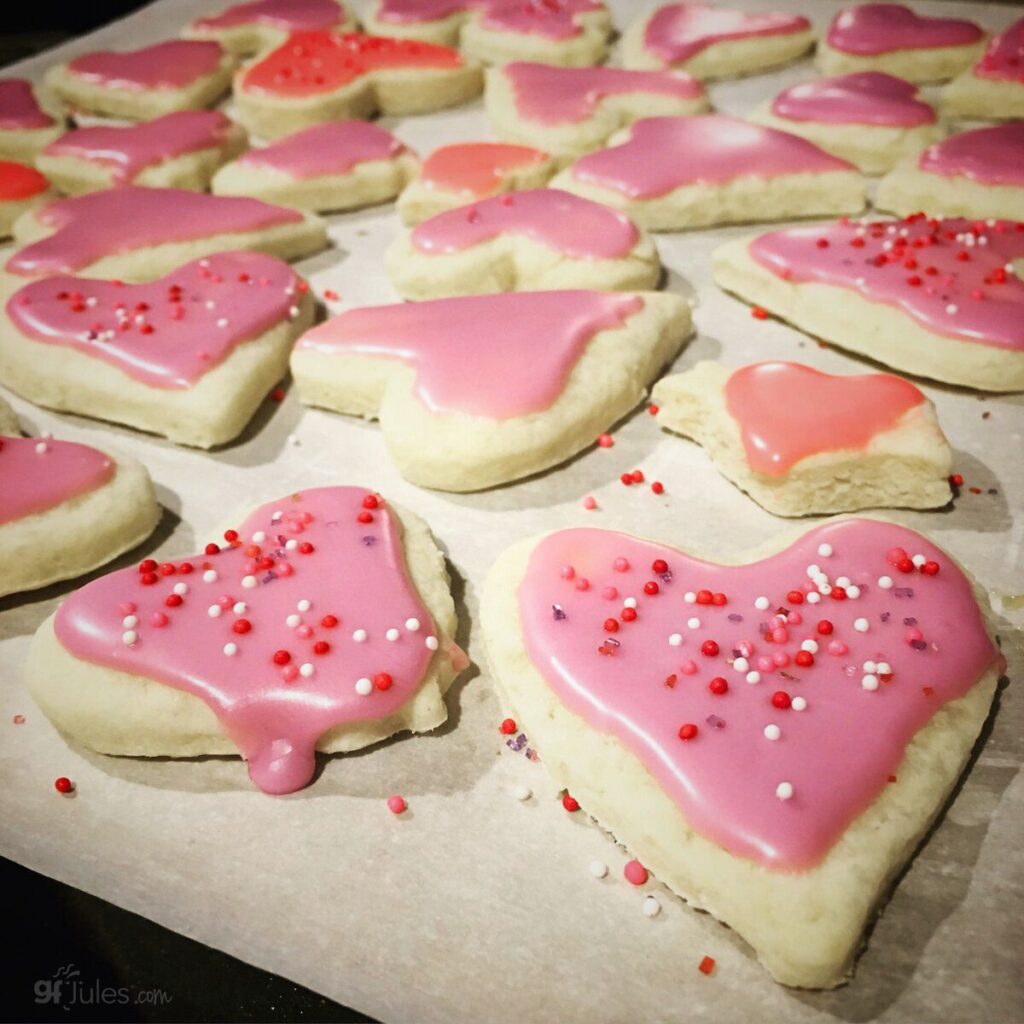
(28, 121)
(993, 89)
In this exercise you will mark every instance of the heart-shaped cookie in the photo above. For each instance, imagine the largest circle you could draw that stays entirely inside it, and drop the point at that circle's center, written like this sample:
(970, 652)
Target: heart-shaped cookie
(742, 728)
(319, 624)
(860, 98)
(1004, 57)
(993, 88)
(247, 28)
(868, 29)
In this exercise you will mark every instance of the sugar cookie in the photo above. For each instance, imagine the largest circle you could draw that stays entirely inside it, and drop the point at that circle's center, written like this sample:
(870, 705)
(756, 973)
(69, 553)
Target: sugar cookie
(938, 298)
(28, 121)
(522, 241)
(674, 173)
(474, 392)
(801, 442)
(337, 635)
(771, 752)
(22, 188)
(993, 89)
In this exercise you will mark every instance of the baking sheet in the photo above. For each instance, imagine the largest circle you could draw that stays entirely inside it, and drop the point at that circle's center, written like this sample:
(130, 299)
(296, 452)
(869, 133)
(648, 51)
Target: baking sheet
(473, 905)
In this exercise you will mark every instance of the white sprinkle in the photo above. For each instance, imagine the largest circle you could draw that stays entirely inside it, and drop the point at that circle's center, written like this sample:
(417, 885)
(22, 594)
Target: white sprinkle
(869, 666)
(598, 869)
(412, 625)
(772, 732)
(239, 607)
(130, 621)
(919, 560)
(431, 643)
(675, 639)
(885, 582)
(784, 790)
(522, 792)
(293, 620)
(291, 545)
(753, 677)
(359, 636)
(693, 623)
(810, 645)
(813, 570)
(210, 576)
(798, 703)
(853, 591)
(884, 668)
(222, 322)
(214, 611)
(304, 605)
(42, 448)
(690, 597)
(248, 582)
(651, 906)
(825, 550)
(843, 581)
(306, 670)
(231, 650)
(181, 589)
(761, 603)
(364, 687)
(630, 602)
(861, 625)
(952, 308)
(813, 598)
(824, 589)
(293, 311)
(869, 682)
(129, 637)
(259, 537)
(741, 664)
(392, 634)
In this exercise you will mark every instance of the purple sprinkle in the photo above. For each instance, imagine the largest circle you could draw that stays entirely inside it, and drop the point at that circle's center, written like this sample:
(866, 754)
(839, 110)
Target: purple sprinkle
(918, 645)
(269, 577)
(910, 621)
(559, 615)
(735, 617)
(369, 541)
(715, 722)
(614, 643)
(885, 616)
(517, 744)
(666, 576)
(903, 591)
(331, 522)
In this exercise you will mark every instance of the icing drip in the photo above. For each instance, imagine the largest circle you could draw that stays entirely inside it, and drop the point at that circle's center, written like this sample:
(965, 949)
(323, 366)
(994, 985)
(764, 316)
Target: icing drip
(286, 15)
(868, 29)
(171, 65)
(1004, 57)
(279, 662)
(865, 97)
(495, 356)
(19, 182)
(690, 684)
(476, 169)
(992, 156)
(19, 109)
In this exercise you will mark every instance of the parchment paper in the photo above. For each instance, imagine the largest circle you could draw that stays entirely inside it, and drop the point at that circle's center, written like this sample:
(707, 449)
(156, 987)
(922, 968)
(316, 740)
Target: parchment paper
(472, 905)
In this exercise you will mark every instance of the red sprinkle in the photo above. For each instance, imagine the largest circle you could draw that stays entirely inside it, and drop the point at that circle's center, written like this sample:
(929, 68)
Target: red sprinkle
(365, 517)
(718, 686)
(651, 588)
(780, 699)
(688, 731)
(605, 441)
(795, 597)
(653, 409)
(658, 487)
(930, 568)
(282, 657)
(382, 681)
(707, 965)
(396, 804)
(660, 566)
(635, 873)
(709, 649)
(241, 625)
(637, 475)
(628, 614)
(277, 394)
(611, 625)
(508, 726)
(371, 501)
(804, 658)
(329, 621)
(570, 804)
(63, 785)
(321, 647)
(759, 313)
(825, 627)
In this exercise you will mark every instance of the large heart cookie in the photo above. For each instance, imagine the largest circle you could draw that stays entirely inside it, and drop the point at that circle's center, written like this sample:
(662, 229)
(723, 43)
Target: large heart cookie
(771, 738)
(323, 622)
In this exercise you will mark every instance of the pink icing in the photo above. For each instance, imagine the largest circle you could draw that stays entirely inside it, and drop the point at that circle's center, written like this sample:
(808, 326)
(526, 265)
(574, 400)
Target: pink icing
(915, 265)
(865, 97)
(779, 409)
(554, 19)
(1004, 58)
(332, 148)
(557, 220)
(131, 149)
(166, 334)
(495, 356)
(666, 153)
(554, 95)
(36, 475)
(407, 11)
(992, 156)
(476, 168)
(286, 15)
(869, 29)
(837, 753)
(678, 32)
(171, 65)
(354, 571)
(90, 227)
(19, 109)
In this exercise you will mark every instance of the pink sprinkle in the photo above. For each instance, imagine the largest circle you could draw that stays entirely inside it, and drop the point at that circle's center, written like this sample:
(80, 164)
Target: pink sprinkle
(283, 569)
(609, 593)
(780, 635)
(158, 619)
(567, 572)
(289, 673)
(396, 804)
(837, 647)
(781, 659)
(635, 873)
(18, 719)
(226, 601)
(305, 632)
(688, 668)
(746, 648)
(590, 502)
(127, 608)
(620, 565)
(583, 583)
(605, 441)
(794, 618)
(914, 634)
(765, 664)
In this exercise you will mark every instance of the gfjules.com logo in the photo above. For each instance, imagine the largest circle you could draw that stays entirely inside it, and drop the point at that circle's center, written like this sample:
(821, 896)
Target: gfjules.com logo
(67, 988)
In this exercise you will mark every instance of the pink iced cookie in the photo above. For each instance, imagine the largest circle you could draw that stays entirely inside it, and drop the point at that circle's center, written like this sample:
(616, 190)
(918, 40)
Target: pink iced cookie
(180, 150)
(749, 731)
(248, 28)
(994, 88)
(146, 83)
(715, 42)
(475, 391)
(671, 173)
(893, 38)
(22, 188)
(323, 622)
(989, 156)
(25, 126)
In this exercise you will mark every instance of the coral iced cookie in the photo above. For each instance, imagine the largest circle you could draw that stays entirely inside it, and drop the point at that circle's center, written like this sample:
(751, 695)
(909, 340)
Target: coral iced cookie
(323, 622)
(569, 111)
(139, 233)
(869, 118)
(336, 166)
(993, 89)
(566, 33)
(65, 508)
(474, 392)
(180, 150)
(715, 42)
(323, 76)
(22, 188)
(979, 173)
(27, 121)
(147, 83)
(938, 298)
(773, 753)
(522, 241)
(466, 171)
(802, 442)
(249, 28)
(894, 39)
(190, 356)
(673, 173)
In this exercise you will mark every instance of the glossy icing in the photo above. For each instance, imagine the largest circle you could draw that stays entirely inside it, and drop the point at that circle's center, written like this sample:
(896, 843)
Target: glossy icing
(332, 148)
(677, 32)
(286, 15)
(315, 62)
(554, 95)
(787, 411)
(171, 65)
(495, 356)
(1004, 56)
(991, 156)
(864, 97)
(579, 228)
(36, 475)
(837, 753)
(476, 169)
(915, 265)
(168, 333)
(666, 153)
(128, 150)
(19, 181)
(275, 713)
(868, 29)
(553, 19)
(87, 228)
(19, 109)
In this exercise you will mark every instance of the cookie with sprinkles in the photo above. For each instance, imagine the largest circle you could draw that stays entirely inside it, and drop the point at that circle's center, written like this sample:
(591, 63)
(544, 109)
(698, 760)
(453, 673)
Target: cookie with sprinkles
(771, 738)
(65, 508)
(802, 442)
(322, 622)
(22, 188)
(992, 90)
(29, 120)
(939, 298)
(190, 356)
